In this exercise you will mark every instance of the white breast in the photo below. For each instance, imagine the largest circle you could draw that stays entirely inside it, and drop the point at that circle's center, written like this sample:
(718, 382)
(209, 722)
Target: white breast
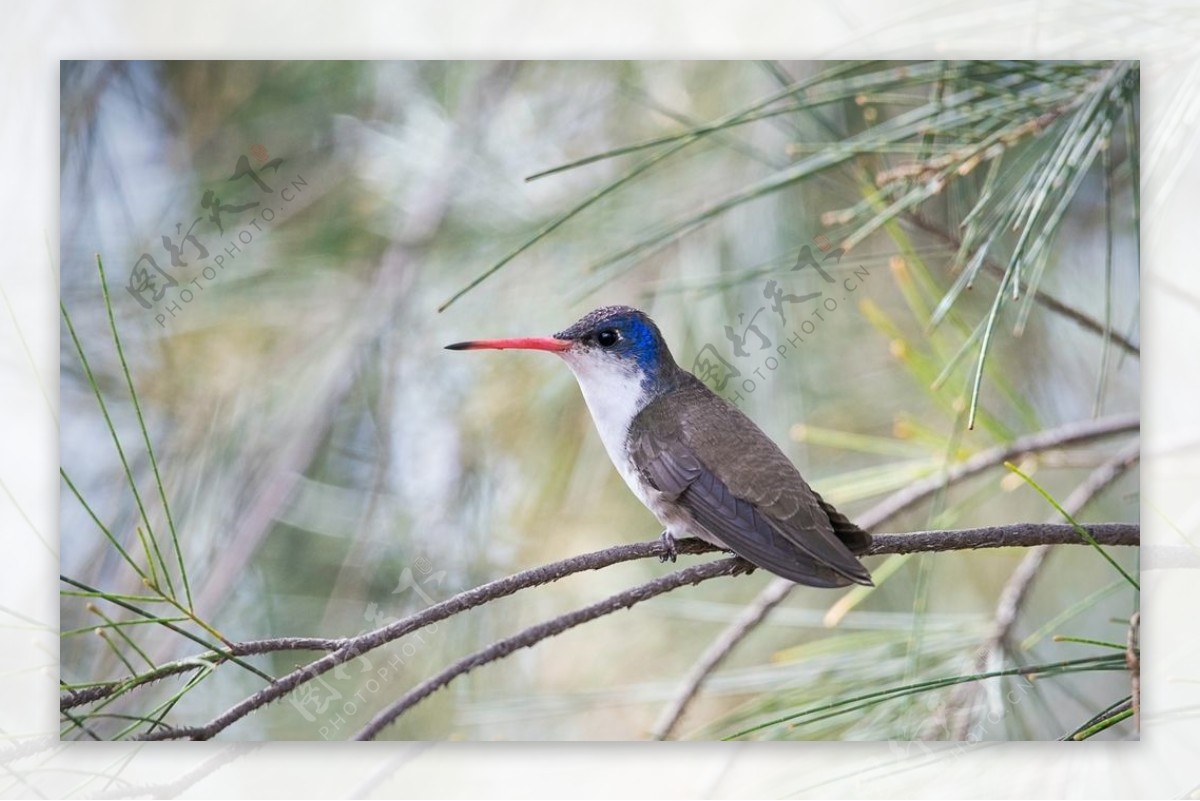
(614, 395)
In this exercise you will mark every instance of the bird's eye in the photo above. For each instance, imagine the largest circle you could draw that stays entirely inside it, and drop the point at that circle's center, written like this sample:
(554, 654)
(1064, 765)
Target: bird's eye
(608, 337)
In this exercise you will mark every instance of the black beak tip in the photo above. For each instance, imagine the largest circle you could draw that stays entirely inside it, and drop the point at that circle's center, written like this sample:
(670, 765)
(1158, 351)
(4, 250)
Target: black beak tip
(458, 346)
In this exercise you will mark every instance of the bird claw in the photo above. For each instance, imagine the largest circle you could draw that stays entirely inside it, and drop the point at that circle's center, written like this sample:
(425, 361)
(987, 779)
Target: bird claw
(668, 542)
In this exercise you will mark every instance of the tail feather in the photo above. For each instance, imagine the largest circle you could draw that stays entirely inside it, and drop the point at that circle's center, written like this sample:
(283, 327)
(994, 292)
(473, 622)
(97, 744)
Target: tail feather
(851, 535)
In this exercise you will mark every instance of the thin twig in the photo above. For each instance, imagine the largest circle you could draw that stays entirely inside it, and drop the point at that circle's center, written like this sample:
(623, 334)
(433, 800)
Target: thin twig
(1017, 535)
(750, 617)
(74, 697)
(775, 592)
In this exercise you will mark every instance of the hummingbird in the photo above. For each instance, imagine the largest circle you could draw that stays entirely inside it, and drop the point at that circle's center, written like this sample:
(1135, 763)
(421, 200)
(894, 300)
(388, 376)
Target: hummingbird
(700, 465)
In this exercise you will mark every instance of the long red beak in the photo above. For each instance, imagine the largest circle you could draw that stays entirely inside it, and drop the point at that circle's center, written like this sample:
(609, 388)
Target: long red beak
(524, 343)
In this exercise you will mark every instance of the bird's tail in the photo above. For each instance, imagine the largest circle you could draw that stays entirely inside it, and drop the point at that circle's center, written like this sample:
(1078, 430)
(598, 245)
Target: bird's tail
(851, 535)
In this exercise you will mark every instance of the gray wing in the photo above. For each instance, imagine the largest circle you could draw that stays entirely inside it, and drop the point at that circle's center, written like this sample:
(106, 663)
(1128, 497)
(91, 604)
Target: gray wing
(801, 546)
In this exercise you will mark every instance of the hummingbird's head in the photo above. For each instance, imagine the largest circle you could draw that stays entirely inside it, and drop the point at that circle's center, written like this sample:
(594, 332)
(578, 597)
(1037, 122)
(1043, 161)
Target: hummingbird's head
(619, 359)
(620, 337)
(617, 346)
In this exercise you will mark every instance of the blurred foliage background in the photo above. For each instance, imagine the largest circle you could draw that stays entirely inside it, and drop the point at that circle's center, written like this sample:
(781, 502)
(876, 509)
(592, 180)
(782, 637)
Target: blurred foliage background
(330, 468)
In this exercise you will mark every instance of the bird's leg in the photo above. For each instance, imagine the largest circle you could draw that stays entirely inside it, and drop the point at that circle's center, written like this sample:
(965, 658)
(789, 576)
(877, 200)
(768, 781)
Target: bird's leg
(668, 542)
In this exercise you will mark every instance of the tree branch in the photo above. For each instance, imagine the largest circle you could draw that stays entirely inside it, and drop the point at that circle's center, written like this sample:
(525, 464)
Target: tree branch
(756, 611)
(385, 634)
(1018, 535)
(1015, 535)
(991, 537)
(774, 593)
(1063, 436)
(535, 634)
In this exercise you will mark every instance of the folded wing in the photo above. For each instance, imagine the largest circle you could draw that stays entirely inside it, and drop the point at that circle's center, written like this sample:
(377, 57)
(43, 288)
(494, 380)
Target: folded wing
(752, 499)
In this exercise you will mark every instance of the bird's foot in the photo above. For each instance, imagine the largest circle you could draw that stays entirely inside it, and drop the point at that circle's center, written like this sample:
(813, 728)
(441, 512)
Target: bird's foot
(668, 542)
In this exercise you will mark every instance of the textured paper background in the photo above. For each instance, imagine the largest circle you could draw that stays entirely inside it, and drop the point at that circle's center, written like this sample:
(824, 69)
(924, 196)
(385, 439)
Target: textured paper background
(35, 35)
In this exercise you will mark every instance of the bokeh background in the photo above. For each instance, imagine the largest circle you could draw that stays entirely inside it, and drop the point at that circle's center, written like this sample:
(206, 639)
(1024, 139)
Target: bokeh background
(330, 467)
(40, 34)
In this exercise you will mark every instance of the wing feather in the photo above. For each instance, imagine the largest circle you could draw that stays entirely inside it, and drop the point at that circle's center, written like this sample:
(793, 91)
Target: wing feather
(759, 506)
